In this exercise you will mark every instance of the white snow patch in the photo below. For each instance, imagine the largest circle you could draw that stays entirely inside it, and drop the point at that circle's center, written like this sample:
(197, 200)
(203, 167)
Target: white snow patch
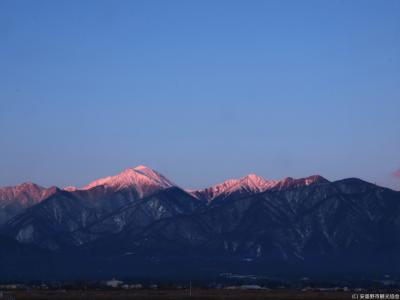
(25, 235)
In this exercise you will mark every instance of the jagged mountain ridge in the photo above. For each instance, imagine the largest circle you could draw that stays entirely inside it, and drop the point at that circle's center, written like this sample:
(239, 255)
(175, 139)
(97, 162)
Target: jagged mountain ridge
(137, 182)
(14, 199)
(248, 184)
(251, 184)
(50, 222)
(347, 221)
(73, 216)
(141, 178)
(292, 221)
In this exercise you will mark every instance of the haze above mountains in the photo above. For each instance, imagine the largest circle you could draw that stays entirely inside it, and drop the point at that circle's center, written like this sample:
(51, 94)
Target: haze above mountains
(139, 223)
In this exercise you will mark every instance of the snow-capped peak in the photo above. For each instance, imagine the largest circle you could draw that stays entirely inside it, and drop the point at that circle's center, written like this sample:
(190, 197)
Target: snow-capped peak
(154, 175)
(141, 178)
(141, 167)
(256, 183)
(70, 188)
(27, 193)
(290, 182)
(253, 183)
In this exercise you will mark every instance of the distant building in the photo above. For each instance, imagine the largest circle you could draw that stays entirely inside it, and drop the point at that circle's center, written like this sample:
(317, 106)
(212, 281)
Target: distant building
(153, 286)
(114, 283)
(132, 286)
(9, 287)
(245, 287)
(6, 296)
(251, 287)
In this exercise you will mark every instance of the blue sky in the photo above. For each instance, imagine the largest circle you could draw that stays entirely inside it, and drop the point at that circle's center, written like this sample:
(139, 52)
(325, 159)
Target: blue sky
(199, 90)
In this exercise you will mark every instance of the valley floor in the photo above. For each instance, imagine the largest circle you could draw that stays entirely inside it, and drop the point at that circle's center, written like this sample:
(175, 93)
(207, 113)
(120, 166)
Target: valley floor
(202, 294)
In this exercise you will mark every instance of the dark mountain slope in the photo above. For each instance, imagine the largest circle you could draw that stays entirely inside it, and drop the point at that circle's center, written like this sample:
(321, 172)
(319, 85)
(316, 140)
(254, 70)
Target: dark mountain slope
(316, 225)
(135, 217)
(14, 199)
(346, 222)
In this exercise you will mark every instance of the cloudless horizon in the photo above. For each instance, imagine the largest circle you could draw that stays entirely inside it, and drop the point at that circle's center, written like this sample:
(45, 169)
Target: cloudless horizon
(201, 91)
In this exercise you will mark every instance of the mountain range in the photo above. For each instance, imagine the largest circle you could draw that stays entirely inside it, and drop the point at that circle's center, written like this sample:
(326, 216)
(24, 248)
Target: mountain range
(139, 223)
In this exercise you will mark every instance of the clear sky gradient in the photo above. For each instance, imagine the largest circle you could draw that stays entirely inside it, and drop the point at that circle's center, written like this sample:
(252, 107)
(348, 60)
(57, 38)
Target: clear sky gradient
(200, 90)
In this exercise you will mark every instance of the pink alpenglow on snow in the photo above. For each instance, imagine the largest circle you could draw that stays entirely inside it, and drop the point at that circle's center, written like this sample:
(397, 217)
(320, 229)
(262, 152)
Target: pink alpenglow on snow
(253, 183)
(145, 180)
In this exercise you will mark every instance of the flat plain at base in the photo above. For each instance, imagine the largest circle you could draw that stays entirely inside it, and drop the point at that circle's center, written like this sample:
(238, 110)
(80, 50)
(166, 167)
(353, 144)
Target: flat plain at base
(201, 294)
